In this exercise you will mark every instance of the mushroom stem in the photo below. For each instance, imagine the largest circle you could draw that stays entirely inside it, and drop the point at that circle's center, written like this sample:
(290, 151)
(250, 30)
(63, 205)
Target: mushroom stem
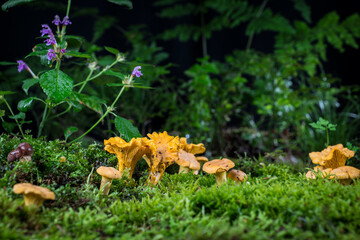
(184, 169)
(105, 185)
(196, 172)
(32, 200)
(220, 177)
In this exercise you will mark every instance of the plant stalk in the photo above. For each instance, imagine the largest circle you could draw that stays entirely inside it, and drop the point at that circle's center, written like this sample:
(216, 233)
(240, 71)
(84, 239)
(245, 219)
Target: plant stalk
(109, 109)
(12, 113)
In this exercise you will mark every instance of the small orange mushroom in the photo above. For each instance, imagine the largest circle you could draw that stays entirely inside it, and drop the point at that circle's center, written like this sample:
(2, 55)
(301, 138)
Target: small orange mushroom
(237, 175)
(33, 195)
(128, 153)
(187, 162)
(165, 154)
(345, 174)
(219, 168)
(332, 157)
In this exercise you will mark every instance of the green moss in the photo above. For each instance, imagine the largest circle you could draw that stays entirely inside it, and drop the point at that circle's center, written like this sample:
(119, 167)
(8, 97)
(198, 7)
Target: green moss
(276, 202)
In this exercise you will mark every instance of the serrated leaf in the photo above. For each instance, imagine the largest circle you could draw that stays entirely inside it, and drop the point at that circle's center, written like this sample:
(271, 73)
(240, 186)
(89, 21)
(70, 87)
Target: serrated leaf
(126, 3)
(37, 53)
(25, 104)
(77, 54)
(112, 50)
(92, 102)
(126, 129)
(69, 131)
(28, 83)
(56, 85)
(13, 3)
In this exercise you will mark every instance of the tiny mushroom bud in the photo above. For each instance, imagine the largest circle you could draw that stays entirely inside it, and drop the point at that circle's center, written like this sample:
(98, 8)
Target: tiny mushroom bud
(237, 175)
(187, 162)
(33, 195)
(219, 168)
(108, 174)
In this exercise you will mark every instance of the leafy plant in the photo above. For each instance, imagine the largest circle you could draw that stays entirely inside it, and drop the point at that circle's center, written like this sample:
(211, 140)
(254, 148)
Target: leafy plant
(60, 89)
(324, 125)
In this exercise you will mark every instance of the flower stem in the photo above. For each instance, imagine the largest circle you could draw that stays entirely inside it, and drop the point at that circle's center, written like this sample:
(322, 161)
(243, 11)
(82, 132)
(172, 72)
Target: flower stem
(12, 113)
(43, 119)
(97, 75)
(327, 137)
(86, 80)
(109, 109)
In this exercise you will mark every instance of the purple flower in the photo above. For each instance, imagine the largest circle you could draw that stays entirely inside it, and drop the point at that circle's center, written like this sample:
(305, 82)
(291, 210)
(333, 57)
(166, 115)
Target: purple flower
(46, 30)
(63, 50)
(51, 54)
(136, 72)
(66, 21)
(57, 20)
(50, 41)
(22, 65)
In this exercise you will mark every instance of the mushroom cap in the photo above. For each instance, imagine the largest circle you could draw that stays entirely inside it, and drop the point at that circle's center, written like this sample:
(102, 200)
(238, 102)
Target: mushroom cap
(109, 172)
(165, 154)
(332, 157)
(15, 154)
(237, 175)
(129, 153)
(345, 172)
(187, 160)
(27, 148)
(322, 173)
(166, 148)
(28, 188)
(218, 166)
(191, 148)
(202, 159)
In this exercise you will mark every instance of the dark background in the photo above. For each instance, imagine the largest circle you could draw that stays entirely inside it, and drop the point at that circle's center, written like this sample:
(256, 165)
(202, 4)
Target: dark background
(21, 25)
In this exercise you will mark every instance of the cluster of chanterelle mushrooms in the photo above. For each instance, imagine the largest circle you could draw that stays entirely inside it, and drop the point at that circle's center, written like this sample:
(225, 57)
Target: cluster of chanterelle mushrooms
(33, 195)
(331, 164)
(160, 150)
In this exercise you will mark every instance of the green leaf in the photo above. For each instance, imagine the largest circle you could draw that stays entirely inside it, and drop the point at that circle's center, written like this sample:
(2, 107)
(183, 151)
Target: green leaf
(8, 126)
(126, 3)
(2, 113)
(25, 104)
(6, 92)
(126, 129)
(114, 74)
(69, 131)
(112, 50)
(92, 102)
(56, 85)
(77, 54)
(4, 63)
(18, 116)
(28, 83)
(12, 3)
(304, 9)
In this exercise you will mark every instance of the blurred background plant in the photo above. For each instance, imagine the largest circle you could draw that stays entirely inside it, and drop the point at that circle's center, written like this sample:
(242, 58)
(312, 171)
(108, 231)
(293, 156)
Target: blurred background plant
(259, 98)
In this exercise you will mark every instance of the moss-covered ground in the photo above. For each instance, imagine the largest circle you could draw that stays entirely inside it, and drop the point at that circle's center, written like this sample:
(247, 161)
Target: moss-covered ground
(277, 202)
